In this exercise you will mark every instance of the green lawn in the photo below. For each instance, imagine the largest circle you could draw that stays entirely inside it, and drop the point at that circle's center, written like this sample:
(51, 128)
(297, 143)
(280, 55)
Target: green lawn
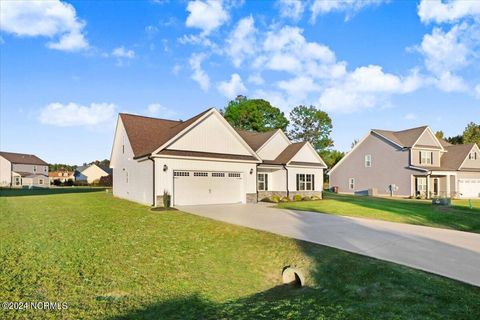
(113, 259)
(459, 216)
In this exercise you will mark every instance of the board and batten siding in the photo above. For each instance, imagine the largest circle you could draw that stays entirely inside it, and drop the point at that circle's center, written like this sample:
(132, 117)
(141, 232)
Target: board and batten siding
(132, 180)
(210, 135)
(5, 172)
(389, 166)
(273, 147)
(292, 177)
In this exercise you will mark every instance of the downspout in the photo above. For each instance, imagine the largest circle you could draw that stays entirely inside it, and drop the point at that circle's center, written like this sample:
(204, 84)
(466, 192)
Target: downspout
(286, 169)
(153, 179)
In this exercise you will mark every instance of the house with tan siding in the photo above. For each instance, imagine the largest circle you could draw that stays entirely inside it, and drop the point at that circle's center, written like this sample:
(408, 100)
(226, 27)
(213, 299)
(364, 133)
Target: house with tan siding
(412, 162)
(204, 160)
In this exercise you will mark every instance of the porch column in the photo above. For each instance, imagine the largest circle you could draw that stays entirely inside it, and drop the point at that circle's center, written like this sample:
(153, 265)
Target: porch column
(428, 187)
(448, 185)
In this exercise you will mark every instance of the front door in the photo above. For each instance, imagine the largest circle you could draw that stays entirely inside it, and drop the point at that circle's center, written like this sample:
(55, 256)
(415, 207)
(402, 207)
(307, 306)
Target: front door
(435, 186)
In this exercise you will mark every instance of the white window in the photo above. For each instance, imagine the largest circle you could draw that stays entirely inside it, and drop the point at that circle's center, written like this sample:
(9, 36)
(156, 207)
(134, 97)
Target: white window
(422, 184)
(368, 161)
(351, 183)
(40, 181)
(426, 157)
(262, 181)
(17, 181)
(472, 155)
(34, 168)
(305, 182)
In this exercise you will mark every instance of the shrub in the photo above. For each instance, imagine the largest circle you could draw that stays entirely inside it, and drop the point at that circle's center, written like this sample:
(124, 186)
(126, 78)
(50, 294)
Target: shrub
(57, 183)
(266, 199)
(166, 199)
(307, 198)
(106, 181)
(68, 183)
(285, 199)
(315, 198)
(297, 197)
(275, 198)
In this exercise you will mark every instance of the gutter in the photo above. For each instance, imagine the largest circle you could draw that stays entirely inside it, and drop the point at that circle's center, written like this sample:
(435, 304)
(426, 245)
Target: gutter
(153, 179)
(286, 169)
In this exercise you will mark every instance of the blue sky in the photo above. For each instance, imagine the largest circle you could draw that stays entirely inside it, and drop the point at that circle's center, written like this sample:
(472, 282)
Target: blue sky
(68, 68)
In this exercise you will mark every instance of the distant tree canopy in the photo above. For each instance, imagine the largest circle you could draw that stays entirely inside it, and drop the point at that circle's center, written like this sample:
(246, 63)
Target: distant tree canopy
(455, 139)
(311, 124)
(254, 114)
(471, 134)
(331, 157)
(104, 162)
(440, 134)
(61, 166)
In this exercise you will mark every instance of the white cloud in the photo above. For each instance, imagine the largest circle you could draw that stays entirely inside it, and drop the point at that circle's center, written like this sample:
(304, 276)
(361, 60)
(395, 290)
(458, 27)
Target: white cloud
(72, 114)
(291, 9)
(121, 52)
(410, 116)
(367, 87)
(447, 11)
(449, 82)
(176, 69)
(477, 90)
(350, 7)
(256, 79)
(156, 109)
(232, 88)
(242, 42)
(199, 75)
(299, 87)
(53, 19)
(206, 15)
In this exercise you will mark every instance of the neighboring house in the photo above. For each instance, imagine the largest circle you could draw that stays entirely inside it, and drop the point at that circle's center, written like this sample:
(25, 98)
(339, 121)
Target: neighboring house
(411, 162)
(204, 160)
(18, 170)
(61, 175)
(91, 173)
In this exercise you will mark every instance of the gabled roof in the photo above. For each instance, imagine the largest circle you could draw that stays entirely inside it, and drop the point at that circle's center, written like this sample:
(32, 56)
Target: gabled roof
(255, 139)
(456, 155)
(147, 134)
(403, 138)
(22, 158)
(288, 153)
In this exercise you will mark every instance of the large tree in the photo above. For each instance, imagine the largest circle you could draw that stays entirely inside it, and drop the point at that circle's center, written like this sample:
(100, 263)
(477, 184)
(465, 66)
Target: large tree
(331, 157)
(311, 124)
(254, 114)
(472, 133)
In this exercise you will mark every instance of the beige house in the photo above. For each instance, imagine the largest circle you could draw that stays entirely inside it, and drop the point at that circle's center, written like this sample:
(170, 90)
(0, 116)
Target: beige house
(61, 175)
(19, 170)
(91, 173)
(410, 162)
(204, 160)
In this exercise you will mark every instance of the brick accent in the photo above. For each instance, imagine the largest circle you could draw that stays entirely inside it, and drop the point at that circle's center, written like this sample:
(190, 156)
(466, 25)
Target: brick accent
(251, 198)
(265, 194)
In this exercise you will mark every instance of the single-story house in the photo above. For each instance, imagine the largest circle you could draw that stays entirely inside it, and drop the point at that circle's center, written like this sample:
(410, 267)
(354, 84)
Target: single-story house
(204, 160)
(91, 173)
(412, 162)
(18, 170)
(61, 175)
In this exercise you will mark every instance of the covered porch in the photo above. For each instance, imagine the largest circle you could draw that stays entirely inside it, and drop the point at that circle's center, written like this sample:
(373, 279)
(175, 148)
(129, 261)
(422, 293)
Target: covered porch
(435, 184)
(271, 180)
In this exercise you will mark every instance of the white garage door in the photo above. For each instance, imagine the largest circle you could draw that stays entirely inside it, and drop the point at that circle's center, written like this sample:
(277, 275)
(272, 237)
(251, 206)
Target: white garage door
(469, 188)
(207, 187)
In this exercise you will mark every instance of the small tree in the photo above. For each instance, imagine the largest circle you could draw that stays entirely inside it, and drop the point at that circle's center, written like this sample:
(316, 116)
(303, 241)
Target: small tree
(166, 199)
(472, 133)
(440, 134)
(312, 125)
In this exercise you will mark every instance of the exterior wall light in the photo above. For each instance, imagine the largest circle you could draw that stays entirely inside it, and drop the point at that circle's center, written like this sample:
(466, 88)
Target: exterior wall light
(165, 167)
(251, 171)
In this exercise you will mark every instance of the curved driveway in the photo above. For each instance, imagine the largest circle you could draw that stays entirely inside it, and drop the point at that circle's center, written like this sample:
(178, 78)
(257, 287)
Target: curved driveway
(453, 254)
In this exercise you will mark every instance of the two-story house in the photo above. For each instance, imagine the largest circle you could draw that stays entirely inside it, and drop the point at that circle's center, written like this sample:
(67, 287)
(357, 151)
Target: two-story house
(411, 162)
(18, 170)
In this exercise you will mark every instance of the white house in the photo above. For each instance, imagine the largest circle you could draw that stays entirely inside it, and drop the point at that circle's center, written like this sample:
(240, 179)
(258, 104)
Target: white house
(18, 170)
(204, 160)
(91, 173)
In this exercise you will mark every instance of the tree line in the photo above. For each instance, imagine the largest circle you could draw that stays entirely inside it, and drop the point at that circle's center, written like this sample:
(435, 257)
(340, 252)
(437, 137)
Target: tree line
(304, 123)
(471, 134)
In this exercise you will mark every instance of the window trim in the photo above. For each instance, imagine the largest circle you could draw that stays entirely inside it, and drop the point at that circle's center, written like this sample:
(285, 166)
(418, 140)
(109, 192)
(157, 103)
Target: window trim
(351, 183)
(264, 176)
(305, 181)
(368, 160)
(424, 189)
(472, 155)
(429, 156)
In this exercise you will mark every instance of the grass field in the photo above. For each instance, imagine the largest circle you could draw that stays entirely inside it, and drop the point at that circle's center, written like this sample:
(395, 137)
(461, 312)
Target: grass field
(459, 216)
(113, 259)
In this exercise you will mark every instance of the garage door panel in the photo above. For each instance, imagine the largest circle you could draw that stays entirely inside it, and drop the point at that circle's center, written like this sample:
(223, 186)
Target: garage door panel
(200, 187)
(469, 188)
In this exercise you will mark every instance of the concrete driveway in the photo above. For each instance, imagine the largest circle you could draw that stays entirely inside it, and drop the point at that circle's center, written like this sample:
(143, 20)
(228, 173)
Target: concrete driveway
(449, 253)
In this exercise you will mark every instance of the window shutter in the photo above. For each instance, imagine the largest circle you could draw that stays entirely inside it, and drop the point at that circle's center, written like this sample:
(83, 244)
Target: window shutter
(431, 155)
(420, 157)
(298, 181)
(313, 182)
(266, 182)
